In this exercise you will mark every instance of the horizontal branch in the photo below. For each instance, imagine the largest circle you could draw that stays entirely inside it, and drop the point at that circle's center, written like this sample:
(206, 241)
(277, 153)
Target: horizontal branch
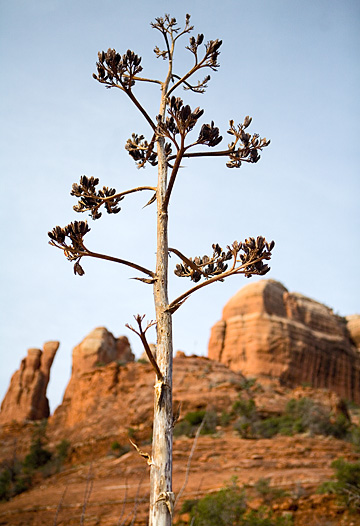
(142, 79)
(221, 153)
(126, 192)
(116, 260)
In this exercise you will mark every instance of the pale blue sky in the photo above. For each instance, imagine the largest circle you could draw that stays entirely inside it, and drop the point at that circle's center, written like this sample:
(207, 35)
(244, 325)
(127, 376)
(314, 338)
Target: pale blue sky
(292, 65)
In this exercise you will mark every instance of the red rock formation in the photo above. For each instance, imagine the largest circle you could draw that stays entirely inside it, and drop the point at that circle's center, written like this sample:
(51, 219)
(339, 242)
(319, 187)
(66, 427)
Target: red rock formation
(353, 326)
(116, 397)
(267, 331)
(26, 396)
(98, 349)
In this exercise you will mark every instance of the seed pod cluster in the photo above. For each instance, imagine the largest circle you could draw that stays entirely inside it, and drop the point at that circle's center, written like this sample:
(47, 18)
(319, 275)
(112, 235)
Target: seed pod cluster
(91, 198)
(140, 150)
(250, 145)
(114, 69)
(205, 266)
(254, 251)
(209, 135)
(74, 250)
(212, 53)
(181, 121)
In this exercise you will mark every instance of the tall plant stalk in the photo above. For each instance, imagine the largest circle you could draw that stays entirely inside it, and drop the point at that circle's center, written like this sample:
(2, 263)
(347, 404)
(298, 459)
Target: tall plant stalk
(167, 147)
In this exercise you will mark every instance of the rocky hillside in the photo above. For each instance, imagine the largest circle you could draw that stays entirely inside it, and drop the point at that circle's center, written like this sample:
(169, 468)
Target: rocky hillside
(277, 431)
(268, 332)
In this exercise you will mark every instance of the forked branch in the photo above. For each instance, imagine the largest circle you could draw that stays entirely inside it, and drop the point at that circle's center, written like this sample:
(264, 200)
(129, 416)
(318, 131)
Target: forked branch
(142, 335)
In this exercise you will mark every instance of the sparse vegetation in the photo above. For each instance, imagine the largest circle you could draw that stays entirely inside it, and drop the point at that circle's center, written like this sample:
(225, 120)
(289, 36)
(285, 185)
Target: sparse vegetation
(17, 476)
(193, 419)
(346, 483)
(227, 507)
(300, 416)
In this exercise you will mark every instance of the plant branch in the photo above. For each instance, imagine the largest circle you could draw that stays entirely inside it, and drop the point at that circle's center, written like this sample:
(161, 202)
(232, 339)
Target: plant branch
(186, 260)
(142, 336)
(142, 110)
(103, 200)
(233, 271)
(174, 172)
(77, 252)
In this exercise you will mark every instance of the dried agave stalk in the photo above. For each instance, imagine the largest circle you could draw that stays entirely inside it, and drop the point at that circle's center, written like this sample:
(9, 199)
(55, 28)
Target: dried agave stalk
(167, 145)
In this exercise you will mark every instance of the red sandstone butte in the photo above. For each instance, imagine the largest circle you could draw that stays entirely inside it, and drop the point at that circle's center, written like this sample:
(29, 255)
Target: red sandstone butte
(88, 385)
(26, 396)
(268, 332)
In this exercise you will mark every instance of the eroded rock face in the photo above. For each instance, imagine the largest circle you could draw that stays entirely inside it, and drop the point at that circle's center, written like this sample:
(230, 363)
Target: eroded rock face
(116, 397)
(267, 331)
(26, 397)
(353, 326)
(99, 349)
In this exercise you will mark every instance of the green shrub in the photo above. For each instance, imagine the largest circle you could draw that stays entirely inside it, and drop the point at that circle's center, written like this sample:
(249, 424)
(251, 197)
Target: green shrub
(223, 508)
(37, 458)
(225, 419)
(12, 480)
(244, 407)
(346, 483)
(210, 423)
(300, 416)
(189, 425)
(5, 484)
(228, 507)
(195, 418)
(62, 450)
(183, 428)
(247, 383)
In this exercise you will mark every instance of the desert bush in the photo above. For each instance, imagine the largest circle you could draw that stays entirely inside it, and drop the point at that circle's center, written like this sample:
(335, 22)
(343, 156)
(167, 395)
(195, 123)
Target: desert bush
(300, 416)
(245, 410)
(346, 483)
(62, 450)
(183, 428)
(244, 407)
(266, 492)
(16, 476)
(225, 419)
(210, 423)
(12, 479)
(228, 507)
(37, 457)
(193, 419)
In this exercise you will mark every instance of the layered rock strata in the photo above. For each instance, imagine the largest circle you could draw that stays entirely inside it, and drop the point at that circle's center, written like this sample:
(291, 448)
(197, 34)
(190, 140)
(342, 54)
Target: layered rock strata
(267, 331)
(26, 397)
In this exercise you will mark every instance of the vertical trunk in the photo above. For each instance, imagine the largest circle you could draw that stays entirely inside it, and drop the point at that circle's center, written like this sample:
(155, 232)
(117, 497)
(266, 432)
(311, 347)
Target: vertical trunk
(161, 496)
